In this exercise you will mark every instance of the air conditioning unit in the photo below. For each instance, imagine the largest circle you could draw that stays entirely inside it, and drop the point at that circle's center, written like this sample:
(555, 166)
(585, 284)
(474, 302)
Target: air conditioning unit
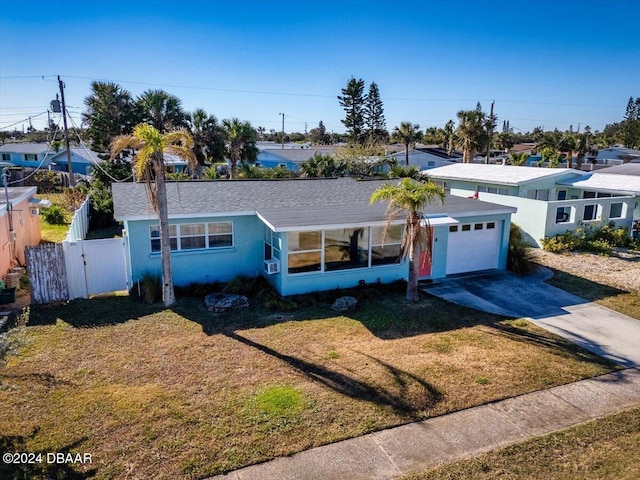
(272, 266)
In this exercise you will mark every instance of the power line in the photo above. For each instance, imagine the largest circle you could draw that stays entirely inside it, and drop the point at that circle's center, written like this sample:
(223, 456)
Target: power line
(23, 120)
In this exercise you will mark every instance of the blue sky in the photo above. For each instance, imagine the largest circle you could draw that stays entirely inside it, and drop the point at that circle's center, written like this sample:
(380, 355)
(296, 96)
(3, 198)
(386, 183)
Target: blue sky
(549, 63)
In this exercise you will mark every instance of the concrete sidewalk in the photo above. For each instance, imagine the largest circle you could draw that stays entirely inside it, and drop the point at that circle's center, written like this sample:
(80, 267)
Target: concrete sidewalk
(423, 445)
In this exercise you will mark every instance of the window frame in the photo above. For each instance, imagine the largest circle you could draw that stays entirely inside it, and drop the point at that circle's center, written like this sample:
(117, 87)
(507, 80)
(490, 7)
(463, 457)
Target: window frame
(178, 236)
(622, 210)
(569, 214)
(596, 212)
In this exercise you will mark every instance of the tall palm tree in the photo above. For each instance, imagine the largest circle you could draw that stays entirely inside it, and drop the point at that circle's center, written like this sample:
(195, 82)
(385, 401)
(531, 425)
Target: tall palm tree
(471, 133)
(410, 198)
(208, 138)
(150, 146)
(161, 110)
(240, 143)
(408, 134)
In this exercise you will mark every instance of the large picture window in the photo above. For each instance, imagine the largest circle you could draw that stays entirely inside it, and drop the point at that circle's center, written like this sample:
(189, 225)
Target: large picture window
(194, 236)
(343, 249)
(346, 248)
(305, 251)
(385, 246)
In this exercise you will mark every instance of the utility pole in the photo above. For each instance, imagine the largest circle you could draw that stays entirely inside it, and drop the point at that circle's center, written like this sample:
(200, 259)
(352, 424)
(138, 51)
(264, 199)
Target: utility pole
(282, 129)
(72, 182)
(490, 131)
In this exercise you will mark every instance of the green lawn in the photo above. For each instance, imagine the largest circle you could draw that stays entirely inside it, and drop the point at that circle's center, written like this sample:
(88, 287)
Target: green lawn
(184, 393)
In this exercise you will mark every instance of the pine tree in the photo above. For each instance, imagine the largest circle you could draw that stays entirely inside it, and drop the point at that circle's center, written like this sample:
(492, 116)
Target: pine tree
(353, 101)
(631, 124)
(376, 128)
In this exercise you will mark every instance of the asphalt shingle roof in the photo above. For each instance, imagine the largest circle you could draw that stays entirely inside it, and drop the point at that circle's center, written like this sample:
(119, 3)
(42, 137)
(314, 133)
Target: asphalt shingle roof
(285, 204)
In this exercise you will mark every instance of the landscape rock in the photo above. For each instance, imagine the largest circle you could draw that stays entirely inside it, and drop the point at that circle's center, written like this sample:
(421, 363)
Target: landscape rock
(344, 304)
(225, 302)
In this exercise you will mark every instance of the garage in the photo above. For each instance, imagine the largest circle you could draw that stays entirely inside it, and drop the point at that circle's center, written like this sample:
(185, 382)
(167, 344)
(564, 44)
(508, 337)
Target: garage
(473, 246)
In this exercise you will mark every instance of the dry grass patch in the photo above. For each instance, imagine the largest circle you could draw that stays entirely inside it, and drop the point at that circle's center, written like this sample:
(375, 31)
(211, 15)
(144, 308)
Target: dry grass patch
(186, 394)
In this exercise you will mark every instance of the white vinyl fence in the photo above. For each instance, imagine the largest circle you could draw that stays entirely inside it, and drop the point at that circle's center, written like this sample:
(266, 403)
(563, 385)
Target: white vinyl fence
(76, 268)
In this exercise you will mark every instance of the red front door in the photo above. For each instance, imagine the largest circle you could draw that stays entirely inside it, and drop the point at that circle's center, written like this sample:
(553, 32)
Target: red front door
(424, 269)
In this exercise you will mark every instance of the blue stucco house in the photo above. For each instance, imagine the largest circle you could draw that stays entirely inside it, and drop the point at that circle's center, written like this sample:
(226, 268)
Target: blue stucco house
(43, 156)
(549, 201)
(302, 235)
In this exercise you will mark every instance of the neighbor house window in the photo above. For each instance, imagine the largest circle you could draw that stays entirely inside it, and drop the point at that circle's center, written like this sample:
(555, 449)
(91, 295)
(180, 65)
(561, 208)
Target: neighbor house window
(30, 156)
(503, 191)
(6, 157)
(385, 246)
(542, 194)
(590, 213)
(466, 228)
(346, 248)
(588, 194)
(305, 251)
(562, 195)
(193, 236)
(616, 209)
(563, 214)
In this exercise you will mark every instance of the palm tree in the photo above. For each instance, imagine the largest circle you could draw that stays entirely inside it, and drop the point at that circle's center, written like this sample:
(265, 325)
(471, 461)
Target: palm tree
(161, 110)
(240, 143)
(471, 133)
(410, 197)
(208, 138)
(149, 146)
(408, 134)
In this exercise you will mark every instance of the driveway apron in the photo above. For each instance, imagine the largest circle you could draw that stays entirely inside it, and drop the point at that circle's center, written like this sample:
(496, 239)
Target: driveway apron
(598, 329)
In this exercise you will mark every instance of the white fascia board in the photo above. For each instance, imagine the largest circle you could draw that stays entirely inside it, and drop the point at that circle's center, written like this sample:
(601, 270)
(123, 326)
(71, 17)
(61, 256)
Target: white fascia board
(439, 220)
(505, 211)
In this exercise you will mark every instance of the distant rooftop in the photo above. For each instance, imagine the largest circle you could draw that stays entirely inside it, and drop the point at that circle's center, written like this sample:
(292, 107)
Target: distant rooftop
(606, 182)
(503, 174)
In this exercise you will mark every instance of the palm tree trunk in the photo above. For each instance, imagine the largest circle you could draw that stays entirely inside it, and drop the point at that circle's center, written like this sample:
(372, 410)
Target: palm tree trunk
(168, 294)
(412, 282)
(406, 154)
(414, 259)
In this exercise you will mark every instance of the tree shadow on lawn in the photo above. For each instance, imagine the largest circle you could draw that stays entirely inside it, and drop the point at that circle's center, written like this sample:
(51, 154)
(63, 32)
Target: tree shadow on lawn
(582, 287)
(94, 312)
(46, 467)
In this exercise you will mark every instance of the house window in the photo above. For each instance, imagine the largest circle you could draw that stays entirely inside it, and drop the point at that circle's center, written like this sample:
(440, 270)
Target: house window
(503, 191)
(346, 248)
(481, 188)
(305, 251)
(220, 234)
(492, 189)
(616, 209)
(590, 213)
(6, 157)
(154, 233)
(453, 228)
(563, 215)
(587, 194)
(385, 246)
(466, 228)
(491, 225)
(478, 226)
(30, 157)
(431, 163)
(562, 195)
(604, 195)
(538, 194)
(193, 236)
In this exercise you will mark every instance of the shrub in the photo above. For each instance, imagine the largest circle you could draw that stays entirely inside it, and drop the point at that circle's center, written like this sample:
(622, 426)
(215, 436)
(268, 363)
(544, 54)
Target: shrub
(519, 256)
(600, 239)
(54, 215)
(151, 287)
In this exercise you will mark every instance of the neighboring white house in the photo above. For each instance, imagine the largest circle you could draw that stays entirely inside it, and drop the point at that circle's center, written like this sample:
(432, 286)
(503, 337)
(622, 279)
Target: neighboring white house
(550, 201)
(422, 159)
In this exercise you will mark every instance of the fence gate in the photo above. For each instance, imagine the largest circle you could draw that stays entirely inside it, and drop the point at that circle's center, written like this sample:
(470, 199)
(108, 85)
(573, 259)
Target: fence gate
(47, 273)
(95, 266)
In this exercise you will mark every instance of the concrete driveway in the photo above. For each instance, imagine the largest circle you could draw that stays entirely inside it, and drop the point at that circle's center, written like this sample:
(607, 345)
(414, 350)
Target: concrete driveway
(598, 329)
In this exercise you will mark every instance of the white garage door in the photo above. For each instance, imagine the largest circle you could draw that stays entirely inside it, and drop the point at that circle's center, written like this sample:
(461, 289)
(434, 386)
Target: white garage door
(473, 247)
